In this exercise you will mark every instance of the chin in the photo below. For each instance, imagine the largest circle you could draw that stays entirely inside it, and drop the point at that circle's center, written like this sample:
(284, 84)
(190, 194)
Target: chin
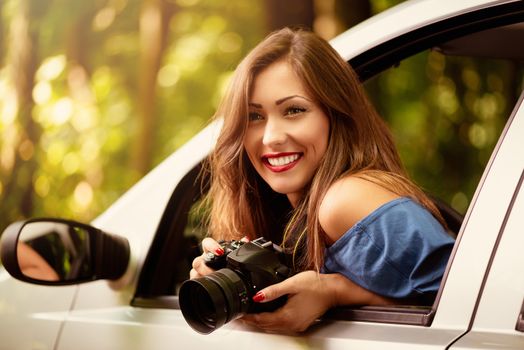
(285, 184)
(284, 188)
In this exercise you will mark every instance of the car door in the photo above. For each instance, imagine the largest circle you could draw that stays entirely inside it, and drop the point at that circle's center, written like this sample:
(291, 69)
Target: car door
(23, 310)
(497, 320)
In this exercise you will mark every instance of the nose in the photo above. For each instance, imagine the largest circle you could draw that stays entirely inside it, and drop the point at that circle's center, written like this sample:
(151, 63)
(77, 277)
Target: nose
(274, 132)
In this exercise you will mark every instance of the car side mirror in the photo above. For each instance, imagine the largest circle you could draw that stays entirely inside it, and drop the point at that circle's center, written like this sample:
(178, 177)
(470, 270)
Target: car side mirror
(62, 252)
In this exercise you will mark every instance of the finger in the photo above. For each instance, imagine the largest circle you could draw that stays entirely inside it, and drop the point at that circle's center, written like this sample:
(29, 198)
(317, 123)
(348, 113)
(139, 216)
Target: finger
(194, 274)
(249, 318)
(262, 320)
(251, 323)
(200, 266)
(270, 322)
(274, 291)
(210, 245)
(244, 239)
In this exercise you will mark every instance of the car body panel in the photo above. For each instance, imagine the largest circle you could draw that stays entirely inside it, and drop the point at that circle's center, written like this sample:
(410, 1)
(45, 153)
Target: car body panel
(500, 303)
(137, 328)
(506, 272)
(19, 328)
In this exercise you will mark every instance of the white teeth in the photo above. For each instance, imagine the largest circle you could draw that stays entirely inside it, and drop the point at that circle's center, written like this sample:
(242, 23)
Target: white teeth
(282, 160)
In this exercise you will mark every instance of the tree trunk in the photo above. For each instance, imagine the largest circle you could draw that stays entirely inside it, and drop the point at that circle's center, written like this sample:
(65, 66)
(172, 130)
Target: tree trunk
(351, 12)
(23, 61)
(335, 16)
(154, 24)
(77, 47)
(292, 13)
(78, 36)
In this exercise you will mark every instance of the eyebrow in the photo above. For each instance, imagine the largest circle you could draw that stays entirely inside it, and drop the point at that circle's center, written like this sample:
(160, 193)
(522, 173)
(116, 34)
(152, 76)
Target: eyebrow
(279, 101)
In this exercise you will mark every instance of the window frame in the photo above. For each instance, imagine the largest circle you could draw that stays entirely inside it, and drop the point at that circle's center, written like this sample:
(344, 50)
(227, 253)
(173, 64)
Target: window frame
(393, 51)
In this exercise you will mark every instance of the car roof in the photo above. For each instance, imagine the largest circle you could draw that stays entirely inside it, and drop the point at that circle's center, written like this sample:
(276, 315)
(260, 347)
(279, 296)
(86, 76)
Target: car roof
(471, 27)
(403, 18)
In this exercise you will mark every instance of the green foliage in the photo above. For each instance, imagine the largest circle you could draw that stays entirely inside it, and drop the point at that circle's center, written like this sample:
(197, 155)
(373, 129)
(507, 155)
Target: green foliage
(72, 156)
(207, 43)
(446, 114)
(85, 91)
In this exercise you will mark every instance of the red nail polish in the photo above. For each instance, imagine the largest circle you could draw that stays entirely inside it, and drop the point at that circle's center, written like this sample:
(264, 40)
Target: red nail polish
(219, 251)
(259, 297)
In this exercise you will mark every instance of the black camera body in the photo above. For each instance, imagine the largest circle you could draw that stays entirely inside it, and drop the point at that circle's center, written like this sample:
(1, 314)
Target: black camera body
(209, 302)
(263, 262)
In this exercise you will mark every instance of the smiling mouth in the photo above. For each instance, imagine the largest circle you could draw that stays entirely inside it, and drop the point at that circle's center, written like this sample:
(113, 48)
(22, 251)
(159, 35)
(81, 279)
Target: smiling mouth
(281, 162)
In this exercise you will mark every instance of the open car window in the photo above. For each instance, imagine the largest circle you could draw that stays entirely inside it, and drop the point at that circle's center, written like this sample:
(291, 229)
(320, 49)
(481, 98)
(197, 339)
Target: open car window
(457, 94)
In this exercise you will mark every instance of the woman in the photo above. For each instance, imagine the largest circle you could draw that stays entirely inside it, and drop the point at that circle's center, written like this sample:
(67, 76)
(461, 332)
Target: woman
(303, 159)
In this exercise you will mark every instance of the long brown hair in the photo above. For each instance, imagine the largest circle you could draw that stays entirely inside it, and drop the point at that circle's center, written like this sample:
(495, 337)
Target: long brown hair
(360, 144)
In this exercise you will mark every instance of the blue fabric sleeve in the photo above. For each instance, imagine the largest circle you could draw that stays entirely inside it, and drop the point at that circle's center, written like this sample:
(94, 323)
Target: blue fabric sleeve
(399, 251)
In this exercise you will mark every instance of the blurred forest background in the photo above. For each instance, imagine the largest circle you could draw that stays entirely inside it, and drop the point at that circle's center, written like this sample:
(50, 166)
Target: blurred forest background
(95, 93)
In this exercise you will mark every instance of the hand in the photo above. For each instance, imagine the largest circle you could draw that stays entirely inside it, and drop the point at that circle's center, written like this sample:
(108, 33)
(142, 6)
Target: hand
(309, 297)
(199, 266)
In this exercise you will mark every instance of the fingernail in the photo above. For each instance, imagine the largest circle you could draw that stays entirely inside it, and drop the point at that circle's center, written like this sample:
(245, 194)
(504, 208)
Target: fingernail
(219, 251)
(259, 297)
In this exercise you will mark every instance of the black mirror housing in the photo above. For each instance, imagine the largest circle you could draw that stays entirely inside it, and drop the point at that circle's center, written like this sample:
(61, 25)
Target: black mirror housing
(53, 251)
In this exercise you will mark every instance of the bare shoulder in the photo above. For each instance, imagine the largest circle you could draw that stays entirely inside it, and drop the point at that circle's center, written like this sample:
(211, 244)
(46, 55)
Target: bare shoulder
(348, 201)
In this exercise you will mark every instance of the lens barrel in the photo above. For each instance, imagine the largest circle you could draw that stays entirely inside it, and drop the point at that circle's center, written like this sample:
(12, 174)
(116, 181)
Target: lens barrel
(209, 302)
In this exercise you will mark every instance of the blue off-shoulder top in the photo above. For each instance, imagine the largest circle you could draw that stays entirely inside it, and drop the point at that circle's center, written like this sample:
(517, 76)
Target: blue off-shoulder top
(399, 251)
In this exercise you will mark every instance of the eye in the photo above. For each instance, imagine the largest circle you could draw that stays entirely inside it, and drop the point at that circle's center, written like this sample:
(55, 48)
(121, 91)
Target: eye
(294, 110)
(254, 116)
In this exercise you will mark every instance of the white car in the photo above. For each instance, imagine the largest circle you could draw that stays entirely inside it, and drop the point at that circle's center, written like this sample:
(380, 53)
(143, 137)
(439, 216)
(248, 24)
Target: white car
(121, 293)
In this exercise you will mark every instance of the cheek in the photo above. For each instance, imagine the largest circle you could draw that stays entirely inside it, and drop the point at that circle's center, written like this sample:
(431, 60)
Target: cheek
(324, 131)
(320, 144)
(250, 145)
(317, 135)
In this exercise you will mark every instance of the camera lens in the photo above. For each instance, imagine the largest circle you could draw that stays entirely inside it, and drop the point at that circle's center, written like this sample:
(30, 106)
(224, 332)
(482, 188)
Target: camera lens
(209, 302)
(203, 299)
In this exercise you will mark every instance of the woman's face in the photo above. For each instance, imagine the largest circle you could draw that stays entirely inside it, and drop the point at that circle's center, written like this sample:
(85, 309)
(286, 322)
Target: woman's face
(288, 132)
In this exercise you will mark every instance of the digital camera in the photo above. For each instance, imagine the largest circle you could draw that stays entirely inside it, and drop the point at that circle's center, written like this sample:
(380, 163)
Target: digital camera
(209, 302)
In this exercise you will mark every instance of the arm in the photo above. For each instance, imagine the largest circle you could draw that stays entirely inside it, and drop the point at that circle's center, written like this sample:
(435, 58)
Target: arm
(348, 201)
(311, 294)
(33, 265)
